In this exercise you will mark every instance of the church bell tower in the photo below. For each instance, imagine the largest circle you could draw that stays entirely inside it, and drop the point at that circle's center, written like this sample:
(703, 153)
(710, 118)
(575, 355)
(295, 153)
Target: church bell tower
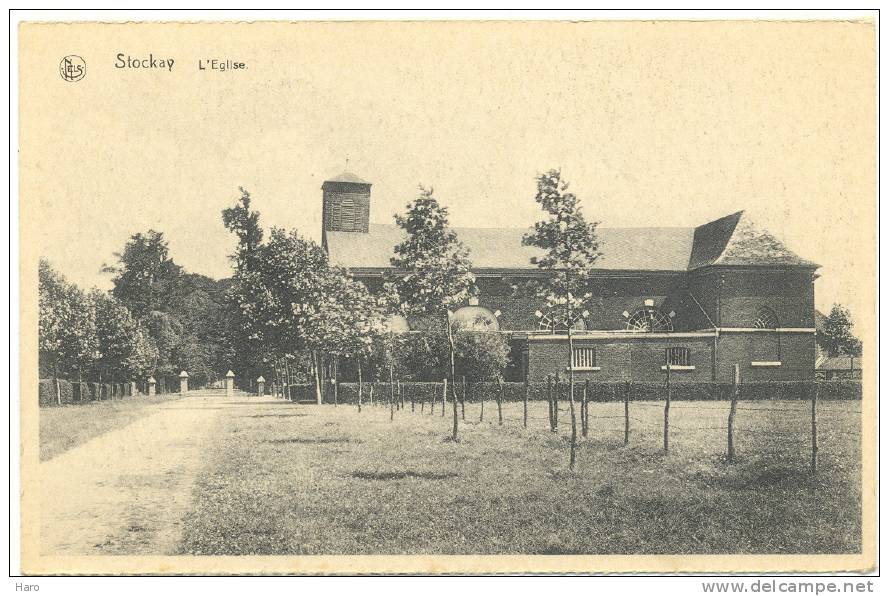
(346, 206)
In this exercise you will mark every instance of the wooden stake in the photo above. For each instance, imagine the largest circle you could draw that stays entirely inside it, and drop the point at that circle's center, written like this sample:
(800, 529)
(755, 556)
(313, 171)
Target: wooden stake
(444, 395)
(814, 429)
(549, 399)
(463, 399)
(525, 405)
(627, 413)
(667, 413)
(736, 389)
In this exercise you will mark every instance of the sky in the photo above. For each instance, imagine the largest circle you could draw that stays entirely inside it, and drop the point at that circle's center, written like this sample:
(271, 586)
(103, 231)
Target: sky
(653, 123)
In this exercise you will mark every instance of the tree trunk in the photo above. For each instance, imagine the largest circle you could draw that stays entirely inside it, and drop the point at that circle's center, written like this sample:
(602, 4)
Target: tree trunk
(391, 395)
(453, 373)
(584, 410)
(481, 416)
(336, 384)
(56, 385)
(573, 456)
(316, 364)
(500, 402)
(360, 384)
(463, 399)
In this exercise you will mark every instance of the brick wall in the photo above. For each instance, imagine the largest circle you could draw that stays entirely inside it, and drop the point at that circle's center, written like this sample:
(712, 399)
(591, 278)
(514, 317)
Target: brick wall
(795, 351)
(633, 359)
(790, 293)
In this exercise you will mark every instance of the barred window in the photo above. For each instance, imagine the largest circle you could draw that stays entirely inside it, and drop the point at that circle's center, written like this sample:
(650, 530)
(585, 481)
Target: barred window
(584, 358)
(678, 356)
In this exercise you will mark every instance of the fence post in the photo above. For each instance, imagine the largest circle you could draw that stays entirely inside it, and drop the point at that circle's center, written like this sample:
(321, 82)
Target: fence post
(525, 405)
(463, 399)
(627, 413)
(814, 429)
(667, 412)
(444, 395)
(549, 399)
(736, 388)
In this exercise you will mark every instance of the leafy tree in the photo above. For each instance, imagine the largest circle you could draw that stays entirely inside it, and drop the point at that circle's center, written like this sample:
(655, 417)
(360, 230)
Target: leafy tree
(125, 349)
(244, 223)
(837, 338)
(67, 325)
(481, 355)
(433, 271)
(145, 278)
(570, 250)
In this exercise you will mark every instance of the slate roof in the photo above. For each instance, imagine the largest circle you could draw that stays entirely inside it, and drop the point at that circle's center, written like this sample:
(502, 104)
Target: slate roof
(736, 240)
(731, 240)
(347, 177)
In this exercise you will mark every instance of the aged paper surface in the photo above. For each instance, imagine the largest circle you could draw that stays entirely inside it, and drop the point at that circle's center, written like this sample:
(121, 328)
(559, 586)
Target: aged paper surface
(128, 127)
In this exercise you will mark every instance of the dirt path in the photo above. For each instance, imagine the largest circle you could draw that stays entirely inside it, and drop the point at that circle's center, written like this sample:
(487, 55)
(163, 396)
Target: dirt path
(126, 491)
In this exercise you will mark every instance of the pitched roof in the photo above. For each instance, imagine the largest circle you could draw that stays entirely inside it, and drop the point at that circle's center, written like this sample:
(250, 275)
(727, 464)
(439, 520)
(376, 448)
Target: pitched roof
(736, 240)
(347, 177)
(646, 249)
(731, 240)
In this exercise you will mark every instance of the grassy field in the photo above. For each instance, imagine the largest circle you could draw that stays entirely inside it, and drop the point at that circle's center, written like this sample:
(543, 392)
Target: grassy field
(65, 427)
(301, 479)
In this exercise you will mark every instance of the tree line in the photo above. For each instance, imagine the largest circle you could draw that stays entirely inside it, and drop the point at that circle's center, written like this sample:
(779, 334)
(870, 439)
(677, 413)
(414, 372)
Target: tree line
(156, 321)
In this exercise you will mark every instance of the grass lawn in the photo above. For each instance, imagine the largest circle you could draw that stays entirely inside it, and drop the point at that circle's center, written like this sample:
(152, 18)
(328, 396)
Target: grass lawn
(304, 479)
(65, 427)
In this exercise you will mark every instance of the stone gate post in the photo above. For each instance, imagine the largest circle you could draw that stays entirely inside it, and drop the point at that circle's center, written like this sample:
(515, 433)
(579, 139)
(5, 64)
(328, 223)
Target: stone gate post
(152, 383)
(229, 384)
(260, 386)
(183, 382)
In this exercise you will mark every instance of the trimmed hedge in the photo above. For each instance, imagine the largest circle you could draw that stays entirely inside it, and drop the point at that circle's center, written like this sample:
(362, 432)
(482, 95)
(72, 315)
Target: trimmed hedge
(597, 392)
(73, 392)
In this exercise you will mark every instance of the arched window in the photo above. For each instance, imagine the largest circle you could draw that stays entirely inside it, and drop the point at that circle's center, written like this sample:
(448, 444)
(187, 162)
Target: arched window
(475, 318)
(649, 319)
(396, 324)
(556, 321)
(765, 319)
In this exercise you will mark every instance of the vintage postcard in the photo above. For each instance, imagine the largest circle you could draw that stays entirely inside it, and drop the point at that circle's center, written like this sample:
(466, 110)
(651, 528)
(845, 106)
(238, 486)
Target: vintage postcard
(448, 297)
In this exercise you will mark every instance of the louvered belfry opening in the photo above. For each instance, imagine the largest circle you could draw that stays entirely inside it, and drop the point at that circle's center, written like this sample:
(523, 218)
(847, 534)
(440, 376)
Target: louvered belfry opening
(346, 206)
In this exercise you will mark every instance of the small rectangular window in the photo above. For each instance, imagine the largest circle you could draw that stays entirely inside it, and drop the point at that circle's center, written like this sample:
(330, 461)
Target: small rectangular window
(584, 358)
(678, 357)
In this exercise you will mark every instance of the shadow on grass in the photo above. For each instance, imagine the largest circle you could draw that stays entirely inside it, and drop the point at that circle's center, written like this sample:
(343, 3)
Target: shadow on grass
(273, 415)
(403, 475)
(309, 441)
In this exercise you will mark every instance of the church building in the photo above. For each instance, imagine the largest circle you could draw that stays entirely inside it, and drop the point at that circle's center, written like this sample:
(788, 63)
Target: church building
(700, 299)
